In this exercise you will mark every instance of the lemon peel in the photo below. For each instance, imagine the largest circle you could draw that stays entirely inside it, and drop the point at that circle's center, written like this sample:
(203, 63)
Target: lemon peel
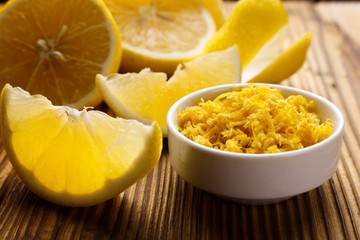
(258, 28)
(250, 25)
(286, 64)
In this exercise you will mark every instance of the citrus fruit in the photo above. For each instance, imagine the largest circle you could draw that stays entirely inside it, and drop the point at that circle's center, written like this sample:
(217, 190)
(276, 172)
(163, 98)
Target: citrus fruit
(71, 157)
(55, 48)
(250, 25)
(147, 96)
(161, 34)
(258, 28)
(282, 67)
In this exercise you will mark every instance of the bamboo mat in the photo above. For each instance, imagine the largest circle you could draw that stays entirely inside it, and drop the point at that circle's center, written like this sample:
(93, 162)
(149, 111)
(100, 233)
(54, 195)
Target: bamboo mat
(164, 206)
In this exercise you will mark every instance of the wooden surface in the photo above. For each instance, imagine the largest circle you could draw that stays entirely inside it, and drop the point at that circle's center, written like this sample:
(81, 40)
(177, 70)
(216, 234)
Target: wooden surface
(163, 206)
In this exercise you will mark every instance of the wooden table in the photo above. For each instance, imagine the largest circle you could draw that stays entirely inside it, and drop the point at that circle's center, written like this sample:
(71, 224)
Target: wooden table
(164, 206)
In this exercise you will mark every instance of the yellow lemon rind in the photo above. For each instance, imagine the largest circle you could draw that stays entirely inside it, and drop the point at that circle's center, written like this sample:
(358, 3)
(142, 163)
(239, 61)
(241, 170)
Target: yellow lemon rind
(293, 58)
(250, 25)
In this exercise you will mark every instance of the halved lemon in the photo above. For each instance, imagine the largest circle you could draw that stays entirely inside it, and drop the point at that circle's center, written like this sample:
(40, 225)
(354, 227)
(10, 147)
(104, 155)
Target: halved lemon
(71, 157)
(161, 34)
(55, 48)
(147, 96)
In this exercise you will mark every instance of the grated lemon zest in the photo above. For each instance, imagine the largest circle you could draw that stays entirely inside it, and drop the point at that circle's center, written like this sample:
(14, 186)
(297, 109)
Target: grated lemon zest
(257, 119)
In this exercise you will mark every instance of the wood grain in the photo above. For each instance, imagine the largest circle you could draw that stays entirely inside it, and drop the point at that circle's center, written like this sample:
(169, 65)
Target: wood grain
(164, 206)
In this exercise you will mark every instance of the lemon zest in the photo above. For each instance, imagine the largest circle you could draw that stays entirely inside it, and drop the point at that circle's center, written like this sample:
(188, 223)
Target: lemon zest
(257, 119)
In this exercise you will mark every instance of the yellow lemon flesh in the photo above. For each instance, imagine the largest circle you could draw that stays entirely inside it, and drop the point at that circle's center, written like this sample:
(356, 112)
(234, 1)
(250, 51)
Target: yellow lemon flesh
(55, 48)
(147, 96)
(161, 34)
(71, 157)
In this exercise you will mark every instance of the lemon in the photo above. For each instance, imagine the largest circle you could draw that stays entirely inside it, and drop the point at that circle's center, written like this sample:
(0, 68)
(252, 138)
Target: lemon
(161, 34)
(55, 48)
(250, 25)
(147, 96)
(258, 28)
(282, 67)
(71, 157)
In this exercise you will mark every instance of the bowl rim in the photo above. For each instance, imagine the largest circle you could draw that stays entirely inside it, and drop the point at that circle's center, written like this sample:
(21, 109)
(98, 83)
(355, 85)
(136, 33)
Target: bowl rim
(307, 94)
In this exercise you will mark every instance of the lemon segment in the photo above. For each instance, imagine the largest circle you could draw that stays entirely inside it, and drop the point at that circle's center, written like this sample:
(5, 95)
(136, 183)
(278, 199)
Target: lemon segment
(161, 34)
(250, 25)
(55, 48)
(71, 157)
(285, 65)
(147, 96)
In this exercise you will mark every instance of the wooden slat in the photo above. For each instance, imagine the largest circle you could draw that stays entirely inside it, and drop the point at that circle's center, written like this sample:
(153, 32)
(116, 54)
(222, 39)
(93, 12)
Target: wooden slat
(164, 206)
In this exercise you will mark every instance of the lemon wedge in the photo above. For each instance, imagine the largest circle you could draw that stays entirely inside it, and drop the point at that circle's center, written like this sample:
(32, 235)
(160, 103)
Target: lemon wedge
(147, 96)
(71, 157)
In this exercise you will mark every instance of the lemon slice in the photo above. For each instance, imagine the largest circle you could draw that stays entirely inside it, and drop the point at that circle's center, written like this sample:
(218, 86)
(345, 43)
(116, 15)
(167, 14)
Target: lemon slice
(161, 34)
(55, 48)
(71, 157)
(147, 96)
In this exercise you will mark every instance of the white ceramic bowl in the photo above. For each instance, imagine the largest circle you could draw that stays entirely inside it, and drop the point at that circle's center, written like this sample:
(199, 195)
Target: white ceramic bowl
(255, 178)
